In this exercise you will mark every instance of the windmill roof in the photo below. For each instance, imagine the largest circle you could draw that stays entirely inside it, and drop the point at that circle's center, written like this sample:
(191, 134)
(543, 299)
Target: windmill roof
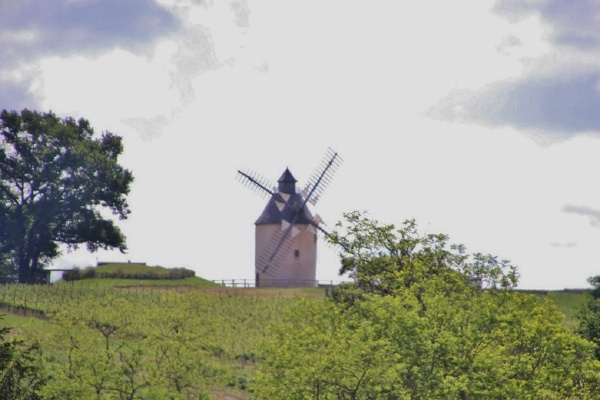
(278, 209)
(287, 177)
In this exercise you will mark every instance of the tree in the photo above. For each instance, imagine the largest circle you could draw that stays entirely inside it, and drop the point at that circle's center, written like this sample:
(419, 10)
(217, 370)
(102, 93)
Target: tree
(375, 254)
(414, 325)
(20, 371)
(588, 317)
(57, 183)
(595, 282)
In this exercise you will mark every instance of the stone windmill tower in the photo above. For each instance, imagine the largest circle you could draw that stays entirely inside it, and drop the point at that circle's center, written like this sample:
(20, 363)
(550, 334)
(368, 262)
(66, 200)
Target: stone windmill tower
(286, 231)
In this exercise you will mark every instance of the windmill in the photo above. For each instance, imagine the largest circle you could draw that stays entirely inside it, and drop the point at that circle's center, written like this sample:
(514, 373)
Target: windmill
(286, 231)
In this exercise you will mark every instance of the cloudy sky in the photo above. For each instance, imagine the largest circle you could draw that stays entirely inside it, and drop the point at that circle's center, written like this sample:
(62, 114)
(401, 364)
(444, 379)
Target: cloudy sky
(478, 118)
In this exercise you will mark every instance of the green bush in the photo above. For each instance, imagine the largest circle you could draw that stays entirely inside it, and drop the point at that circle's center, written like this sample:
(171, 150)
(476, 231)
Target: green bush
(124, 272)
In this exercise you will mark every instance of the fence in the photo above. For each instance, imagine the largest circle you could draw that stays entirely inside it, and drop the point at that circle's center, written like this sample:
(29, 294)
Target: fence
(250, 283)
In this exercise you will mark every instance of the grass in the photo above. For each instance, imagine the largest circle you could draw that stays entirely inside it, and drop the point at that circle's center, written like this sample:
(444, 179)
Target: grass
(11, 321)
(192, 282)
(132, 268)
(145, 275)
(220, 328)
(567, 302)
(311, 293)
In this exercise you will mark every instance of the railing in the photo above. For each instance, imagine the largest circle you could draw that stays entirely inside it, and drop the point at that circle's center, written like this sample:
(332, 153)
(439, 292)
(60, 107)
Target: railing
(236, 282)
(250, 283)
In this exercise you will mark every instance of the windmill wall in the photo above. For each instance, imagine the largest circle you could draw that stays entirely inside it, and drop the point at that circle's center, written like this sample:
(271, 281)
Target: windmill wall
(299, 263)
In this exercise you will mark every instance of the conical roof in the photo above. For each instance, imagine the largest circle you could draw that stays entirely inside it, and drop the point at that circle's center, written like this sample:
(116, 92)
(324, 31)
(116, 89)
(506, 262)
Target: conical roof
(285, 204)
(287, 182)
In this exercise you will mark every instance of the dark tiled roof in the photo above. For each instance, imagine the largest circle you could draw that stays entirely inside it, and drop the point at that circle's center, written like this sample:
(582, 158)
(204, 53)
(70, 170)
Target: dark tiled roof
(287, 177)
(285, 204)
(272, 215)
(287, 182)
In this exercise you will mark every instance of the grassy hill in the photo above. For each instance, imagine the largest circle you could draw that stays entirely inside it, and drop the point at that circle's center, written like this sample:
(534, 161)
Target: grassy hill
(135, 274)
(131, 268)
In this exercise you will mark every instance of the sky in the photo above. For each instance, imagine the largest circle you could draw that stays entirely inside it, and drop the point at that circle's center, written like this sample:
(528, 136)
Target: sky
(477, 118)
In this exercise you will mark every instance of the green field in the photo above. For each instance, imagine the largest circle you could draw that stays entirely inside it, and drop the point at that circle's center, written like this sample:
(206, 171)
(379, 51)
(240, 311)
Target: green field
(186, 336)
(152, 337)
(568, 303)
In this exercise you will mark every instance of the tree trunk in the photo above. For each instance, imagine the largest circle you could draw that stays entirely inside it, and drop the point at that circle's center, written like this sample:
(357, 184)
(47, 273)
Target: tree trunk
(23, 270)
(26, 271)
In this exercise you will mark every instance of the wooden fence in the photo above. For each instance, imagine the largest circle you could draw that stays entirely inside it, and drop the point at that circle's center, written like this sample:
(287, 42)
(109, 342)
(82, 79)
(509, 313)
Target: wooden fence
(250, 283)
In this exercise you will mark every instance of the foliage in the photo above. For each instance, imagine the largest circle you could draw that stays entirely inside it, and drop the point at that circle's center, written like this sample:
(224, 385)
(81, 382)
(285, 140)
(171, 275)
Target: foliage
(589, 323)
(8, 268)
(115, 336)
(414, 326)
(589, 315)
(382, 258)
(595, 282)
(128, 271)
(56, 181)
(20, 372)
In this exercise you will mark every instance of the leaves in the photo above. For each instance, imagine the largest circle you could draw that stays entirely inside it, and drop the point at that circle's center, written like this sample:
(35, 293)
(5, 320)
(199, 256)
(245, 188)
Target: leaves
(383, 258)
(55, 182)
(20, 372)
(414, 326)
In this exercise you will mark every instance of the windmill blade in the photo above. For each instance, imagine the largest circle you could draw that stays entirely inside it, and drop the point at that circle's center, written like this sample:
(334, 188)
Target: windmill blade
(322, 230)
(313, 229)
(280, 206)
(318, 220)
(275, 252)
(321, 178)
(316, 224)
(329, 245)
(279, 245)
(294, 231)
(255, 182)
(285, 196)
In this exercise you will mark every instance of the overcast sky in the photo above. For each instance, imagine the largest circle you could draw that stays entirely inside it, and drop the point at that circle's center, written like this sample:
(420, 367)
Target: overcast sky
(480, 119)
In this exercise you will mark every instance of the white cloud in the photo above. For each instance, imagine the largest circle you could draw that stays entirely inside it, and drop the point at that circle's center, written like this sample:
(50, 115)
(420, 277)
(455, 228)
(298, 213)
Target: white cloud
(114, 85)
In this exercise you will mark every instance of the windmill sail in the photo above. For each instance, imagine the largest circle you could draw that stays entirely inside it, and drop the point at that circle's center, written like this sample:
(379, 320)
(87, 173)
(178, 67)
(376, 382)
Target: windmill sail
(321, 178)
(288, 224)
(254, 181)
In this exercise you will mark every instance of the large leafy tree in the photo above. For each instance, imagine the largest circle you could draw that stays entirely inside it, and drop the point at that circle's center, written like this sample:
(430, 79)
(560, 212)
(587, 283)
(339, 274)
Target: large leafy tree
(58, 184)
(418, 323)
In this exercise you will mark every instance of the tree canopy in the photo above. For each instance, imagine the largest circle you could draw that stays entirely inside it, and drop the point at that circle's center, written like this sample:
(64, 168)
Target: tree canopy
(424, 319)
(58, 183)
